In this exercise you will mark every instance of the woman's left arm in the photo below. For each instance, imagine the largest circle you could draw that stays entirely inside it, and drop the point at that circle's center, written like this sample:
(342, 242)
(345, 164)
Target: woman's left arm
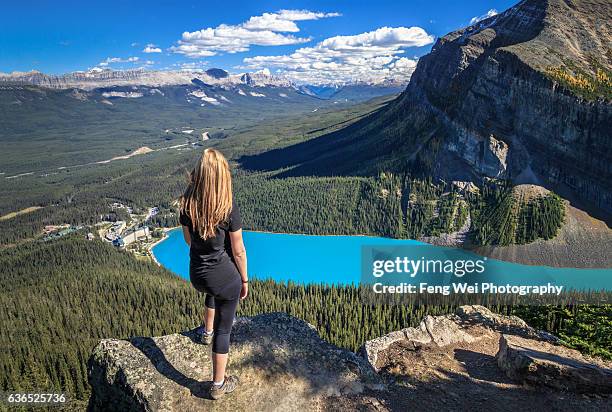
(187, 235)
(239, 252)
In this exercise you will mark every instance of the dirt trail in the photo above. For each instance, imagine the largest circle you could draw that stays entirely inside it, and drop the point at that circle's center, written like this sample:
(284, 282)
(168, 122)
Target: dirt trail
(139, 151)
(20, 212)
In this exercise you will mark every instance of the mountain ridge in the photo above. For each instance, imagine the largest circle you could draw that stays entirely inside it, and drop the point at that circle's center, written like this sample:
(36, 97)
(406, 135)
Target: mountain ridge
(98, 78)
(501, 99)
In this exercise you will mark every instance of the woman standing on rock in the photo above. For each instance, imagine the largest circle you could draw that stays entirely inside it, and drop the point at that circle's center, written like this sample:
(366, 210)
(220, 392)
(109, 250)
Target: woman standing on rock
(210, 218)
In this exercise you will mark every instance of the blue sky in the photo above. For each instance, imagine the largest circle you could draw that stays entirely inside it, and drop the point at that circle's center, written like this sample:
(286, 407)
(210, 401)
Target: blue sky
(61, 36)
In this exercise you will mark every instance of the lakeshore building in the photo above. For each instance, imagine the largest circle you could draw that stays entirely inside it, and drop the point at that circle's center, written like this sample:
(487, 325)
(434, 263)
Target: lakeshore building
(141, 233)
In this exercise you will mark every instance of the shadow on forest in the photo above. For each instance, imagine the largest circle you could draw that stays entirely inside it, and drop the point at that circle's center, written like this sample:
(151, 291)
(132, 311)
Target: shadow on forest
(318, 156)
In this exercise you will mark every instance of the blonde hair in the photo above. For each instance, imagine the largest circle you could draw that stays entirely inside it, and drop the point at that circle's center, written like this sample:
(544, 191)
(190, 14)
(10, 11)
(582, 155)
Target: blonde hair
(208, 198)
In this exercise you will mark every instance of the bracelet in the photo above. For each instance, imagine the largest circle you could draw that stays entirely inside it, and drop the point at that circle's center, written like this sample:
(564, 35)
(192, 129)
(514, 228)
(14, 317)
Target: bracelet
(245, 281)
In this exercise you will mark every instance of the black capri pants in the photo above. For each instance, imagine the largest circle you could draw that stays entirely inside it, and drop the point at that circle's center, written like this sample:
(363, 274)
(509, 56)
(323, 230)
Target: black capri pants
(222, 285)
(225, 312)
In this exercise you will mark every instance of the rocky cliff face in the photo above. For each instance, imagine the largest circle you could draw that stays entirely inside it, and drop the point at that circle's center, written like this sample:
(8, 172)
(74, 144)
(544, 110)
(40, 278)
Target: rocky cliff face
(471, 360)
(501, 112)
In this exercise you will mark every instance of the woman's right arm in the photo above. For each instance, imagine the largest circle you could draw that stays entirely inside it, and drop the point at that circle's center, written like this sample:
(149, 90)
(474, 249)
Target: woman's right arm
(239, 253)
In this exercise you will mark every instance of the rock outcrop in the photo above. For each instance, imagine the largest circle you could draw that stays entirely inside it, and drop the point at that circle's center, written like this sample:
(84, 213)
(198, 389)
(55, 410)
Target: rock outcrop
(541, 363)
(282, 363)
(471, 360)
(448, 329)
(499, 110)
(478, 360)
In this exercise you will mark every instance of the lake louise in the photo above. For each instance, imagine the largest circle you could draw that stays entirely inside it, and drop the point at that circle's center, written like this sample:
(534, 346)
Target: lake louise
(284, 257)
(338, 260)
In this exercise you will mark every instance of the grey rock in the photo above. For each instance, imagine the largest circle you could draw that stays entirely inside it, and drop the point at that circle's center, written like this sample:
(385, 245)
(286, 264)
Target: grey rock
(500, 112)
(281, 361)
(450, 329)
(446, 330)
(540, 363)
(372, 348)
(477, 314)
(437, 330)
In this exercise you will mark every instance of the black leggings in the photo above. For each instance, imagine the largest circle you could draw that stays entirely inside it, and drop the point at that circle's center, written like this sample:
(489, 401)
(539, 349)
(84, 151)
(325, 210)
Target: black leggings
(225, 310)
(222, 284)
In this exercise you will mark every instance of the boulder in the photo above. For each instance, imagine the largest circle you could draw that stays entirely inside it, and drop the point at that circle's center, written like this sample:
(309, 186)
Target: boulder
(479, 315)
(372, 348)
(450, 329)
(540, 363)
(439, 330)
(446, 330)
(281, 361)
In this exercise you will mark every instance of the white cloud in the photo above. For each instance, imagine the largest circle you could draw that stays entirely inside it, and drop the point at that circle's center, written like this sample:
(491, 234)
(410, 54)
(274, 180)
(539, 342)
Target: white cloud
(111, 60)
(490, 13)
(369, 57)
(192, 66)
(269, 29)
(151, 48)
(284, 20)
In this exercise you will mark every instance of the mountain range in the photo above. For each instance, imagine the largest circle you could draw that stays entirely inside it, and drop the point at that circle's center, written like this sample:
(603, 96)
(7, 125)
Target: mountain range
(524, 95)
(104, 78)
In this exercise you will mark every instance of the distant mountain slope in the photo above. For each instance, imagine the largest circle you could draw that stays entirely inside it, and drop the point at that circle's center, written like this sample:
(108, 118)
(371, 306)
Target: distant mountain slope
(524, 95)
(35, 103)
(343, 93)
(217, 73)
(26, 109)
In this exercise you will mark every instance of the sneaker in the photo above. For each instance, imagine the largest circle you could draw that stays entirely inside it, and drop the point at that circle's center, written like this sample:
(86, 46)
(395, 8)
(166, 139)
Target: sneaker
(228, 386)
(206, 338)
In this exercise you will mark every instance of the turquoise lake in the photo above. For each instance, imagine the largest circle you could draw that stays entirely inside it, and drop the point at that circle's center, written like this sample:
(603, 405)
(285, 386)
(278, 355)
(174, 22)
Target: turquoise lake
(338, 260)
(284, 257)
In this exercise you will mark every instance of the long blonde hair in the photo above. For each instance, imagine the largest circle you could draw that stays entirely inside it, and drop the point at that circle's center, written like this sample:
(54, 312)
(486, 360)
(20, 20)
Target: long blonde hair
(208, 198)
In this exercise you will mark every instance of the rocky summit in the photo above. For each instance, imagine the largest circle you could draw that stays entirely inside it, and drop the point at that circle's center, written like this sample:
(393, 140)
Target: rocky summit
(471, 360)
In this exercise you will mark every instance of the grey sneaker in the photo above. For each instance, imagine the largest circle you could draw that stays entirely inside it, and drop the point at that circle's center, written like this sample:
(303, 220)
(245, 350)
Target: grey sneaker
(229, 385)
(206, 338)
